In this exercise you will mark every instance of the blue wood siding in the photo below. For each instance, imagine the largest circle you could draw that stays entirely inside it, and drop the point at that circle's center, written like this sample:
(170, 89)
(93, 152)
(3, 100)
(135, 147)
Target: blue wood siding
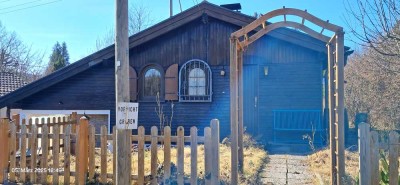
(294, 80)
(194, 114)
(92, 89)
(84, 93)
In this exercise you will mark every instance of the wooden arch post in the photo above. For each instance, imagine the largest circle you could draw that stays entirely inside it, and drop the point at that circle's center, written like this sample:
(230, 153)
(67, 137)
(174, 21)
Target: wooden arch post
(335, 52)
(234, 103)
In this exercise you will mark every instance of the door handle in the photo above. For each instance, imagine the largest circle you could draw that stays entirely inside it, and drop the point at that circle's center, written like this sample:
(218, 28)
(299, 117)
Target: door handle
(255, 101)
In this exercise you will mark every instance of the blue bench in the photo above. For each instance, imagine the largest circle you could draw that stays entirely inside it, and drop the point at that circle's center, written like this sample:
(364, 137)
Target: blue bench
(297, 120)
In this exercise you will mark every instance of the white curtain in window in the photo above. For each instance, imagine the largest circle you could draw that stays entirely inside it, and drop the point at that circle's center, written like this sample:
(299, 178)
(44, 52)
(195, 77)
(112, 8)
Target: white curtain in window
(197, 82)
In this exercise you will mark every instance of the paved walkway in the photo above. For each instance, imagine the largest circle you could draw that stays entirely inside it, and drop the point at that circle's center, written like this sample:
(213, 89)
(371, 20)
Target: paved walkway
(286, 169)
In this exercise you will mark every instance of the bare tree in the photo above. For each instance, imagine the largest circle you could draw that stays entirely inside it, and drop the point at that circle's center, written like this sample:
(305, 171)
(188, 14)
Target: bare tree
(18, 58)
(105, 40)
(375, 24)
(139, 19)
(373, 73)
(372, 90)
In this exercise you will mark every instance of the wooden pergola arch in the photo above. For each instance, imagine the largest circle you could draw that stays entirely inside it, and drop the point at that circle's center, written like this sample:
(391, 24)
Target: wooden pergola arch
(335, 52)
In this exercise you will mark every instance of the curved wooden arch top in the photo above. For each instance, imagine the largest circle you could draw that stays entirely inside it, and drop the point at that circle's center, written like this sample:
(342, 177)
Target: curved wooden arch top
(276, 25)
(288, 11)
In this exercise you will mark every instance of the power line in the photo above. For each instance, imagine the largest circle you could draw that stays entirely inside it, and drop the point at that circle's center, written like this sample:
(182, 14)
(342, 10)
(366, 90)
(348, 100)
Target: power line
(30, 7)
(22, 4)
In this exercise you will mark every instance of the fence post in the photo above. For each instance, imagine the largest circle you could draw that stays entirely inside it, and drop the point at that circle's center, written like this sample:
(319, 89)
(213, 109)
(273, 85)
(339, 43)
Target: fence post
(56, 151)
(141, 155)
(393, 158)
(207, 155)
(74, 123)
(92, 144)
(167, 155)
(83, 138)
(180, 153)
(154, 157)
(45, 151)
(67, 149)
(12, 149)
(16, 120)
(23, 151)
(193, 156)
(375, 177)
(33, 149)
(103, 156)
(363, 146)
(4, 129)
(215, 152)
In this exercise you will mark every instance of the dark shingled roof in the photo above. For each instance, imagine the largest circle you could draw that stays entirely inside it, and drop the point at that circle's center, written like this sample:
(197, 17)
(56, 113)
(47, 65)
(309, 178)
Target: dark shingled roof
(10, 82)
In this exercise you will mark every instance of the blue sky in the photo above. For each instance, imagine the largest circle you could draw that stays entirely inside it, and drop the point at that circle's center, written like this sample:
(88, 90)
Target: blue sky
(80, 22)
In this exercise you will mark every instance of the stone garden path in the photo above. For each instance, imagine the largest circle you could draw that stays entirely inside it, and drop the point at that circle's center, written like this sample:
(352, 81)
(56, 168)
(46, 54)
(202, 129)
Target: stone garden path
(286, 169)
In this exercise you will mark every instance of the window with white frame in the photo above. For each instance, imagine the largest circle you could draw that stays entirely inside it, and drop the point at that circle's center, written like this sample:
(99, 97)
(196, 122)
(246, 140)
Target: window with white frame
(195, 82)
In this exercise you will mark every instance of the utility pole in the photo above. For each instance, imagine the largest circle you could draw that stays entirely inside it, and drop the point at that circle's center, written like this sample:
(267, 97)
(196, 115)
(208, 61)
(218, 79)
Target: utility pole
(123, 148)
(171, 13)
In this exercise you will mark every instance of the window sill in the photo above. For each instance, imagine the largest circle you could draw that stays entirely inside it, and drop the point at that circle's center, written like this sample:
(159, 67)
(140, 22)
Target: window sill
(151, 99)
(197, 99)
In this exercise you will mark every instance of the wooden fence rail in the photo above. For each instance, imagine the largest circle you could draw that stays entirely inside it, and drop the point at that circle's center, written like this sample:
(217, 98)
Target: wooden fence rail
(39, 157)
(369, 148)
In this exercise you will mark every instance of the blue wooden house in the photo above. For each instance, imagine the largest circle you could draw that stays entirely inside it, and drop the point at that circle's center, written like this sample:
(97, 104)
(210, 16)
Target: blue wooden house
(183, 63)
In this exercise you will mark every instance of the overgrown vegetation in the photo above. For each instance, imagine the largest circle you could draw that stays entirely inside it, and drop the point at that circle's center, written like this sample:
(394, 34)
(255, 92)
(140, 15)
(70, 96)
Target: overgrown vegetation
(164, 119)
(320, 165)
(254, 156)
(384, 169)
(311, 138)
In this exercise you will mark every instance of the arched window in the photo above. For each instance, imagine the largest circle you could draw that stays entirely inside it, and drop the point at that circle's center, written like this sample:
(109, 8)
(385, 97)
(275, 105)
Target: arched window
(195, 82)
(152, 83)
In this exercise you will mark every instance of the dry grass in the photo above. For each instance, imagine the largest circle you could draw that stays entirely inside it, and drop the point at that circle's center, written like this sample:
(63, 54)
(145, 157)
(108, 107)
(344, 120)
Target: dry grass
(320, 164)
(254, 159)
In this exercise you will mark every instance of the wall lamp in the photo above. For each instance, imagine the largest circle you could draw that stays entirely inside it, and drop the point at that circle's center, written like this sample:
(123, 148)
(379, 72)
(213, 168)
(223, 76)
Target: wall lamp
(266, 70)
(222, 72)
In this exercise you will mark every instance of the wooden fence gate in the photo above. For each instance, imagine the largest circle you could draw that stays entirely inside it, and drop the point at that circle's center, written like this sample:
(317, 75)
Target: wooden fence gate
(24, 157)
(369, 146)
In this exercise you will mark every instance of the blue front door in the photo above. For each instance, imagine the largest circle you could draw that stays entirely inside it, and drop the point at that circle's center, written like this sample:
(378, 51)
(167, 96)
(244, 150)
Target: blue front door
(250, 99)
